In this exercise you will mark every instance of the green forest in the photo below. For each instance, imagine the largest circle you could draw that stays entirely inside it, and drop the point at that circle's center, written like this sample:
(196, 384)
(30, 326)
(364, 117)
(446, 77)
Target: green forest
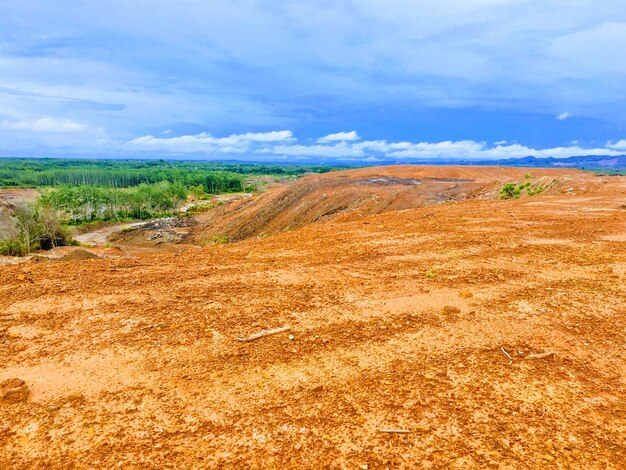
(215, 177)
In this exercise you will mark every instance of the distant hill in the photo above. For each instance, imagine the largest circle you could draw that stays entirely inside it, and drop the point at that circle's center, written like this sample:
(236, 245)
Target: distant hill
(589, 162)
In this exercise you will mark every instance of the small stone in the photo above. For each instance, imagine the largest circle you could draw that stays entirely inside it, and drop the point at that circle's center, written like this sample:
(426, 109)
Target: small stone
(466, 294)
(292, 337)
(364, 466)
(14, 391)
(450, 310)
(504, 443)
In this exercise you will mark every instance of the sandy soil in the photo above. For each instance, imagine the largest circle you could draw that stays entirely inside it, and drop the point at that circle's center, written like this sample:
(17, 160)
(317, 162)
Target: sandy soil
(424, 320)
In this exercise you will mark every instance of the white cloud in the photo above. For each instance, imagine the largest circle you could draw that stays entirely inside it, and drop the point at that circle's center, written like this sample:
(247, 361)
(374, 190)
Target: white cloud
(274, 136)
(45, 124)
(206, 143)
(619, 145)
(339, 150)
(563, 116)
(340, 137)
(282, 144)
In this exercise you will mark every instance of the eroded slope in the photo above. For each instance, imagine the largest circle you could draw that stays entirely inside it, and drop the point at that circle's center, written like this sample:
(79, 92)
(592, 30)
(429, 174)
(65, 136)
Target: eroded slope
(348, 195)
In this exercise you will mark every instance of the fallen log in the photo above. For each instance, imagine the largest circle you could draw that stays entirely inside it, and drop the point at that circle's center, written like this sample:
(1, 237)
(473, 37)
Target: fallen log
(263, 333)
(395, 431)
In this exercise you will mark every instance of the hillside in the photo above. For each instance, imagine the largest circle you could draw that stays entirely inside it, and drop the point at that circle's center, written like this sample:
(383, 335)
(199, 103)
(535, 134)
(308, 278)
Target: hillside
(348, 195)
(491, 332)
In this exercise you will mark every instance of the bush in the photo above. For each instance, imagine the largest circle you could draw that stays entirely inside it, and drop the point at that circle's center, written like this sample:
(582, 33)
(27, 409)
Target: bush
(509, 191)
(198, 192)
(37, 229)
(219, 239)
(514, 191)
(11, 247)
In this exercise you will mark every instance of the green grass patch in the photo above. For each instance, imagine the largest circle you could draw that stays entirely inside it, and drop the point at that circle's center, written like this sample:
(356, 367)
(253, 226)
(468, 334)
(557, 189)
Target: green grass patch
(516, 190)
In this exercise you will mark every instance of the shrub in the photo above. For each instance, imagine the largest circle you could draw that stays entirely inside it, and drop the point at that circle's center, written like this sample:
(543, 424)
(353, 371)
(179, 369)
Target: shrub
(509, 191)
(514, 191)
(219, 239)
(37, 229)
(198, 192)
(11, 247)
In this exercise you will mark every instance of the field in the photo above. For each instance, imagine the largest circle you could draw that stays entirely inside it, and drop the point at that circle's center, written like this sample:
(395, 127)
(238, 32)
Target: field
(490, 331)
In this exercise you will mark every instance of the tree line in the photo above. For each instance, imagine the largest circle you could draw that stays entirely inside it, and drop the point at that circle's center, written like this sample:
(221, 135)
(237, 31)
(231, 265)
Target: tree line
(215, 177)
(214, 182)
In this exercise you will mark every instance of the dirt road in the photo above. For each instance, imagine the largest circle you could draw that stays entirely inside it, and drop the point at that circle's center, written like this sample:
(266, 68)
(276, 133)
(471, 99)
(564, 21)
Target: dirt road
(433, 320)
(101, 236)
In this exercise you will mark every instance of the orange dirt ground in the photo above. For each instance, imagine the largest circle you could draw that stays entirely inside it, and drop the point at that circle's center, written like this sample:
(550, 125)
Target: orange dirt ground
(421, 319)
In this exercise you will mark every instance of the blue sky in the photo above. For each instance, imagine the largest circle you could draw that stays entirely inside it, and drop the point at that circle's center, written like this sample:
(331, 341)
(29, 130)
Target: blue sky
(309, 80)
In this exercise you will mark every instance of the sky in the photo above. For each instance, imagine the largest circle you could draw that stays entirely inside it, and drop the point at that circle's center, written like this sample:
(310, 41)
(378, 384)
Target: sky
(354, 81)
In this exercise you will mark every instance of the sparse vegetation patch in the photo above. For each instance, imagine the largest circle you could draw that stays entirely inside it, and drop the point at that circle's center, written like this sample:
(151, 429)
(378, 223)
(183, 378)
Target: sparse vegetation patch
(516, 190)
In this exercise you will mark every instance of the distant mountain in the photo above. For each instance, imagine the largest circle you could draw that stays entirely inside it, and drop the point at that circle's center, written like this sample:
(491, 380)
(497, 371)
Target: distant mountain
(591, 162)
(587, 162)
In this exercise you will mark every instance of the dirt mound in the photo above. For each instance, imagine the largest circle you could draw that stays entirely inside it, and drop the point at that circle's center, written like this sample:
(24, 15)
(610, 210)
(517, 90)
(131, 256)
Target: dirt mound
(169, 230)
(349, 195)
(79, 255)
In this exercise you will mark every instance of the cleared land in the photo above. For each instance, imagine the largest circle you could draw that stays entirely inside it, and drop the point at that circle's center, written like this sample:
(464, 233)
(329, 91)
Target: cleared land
(422, 319)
